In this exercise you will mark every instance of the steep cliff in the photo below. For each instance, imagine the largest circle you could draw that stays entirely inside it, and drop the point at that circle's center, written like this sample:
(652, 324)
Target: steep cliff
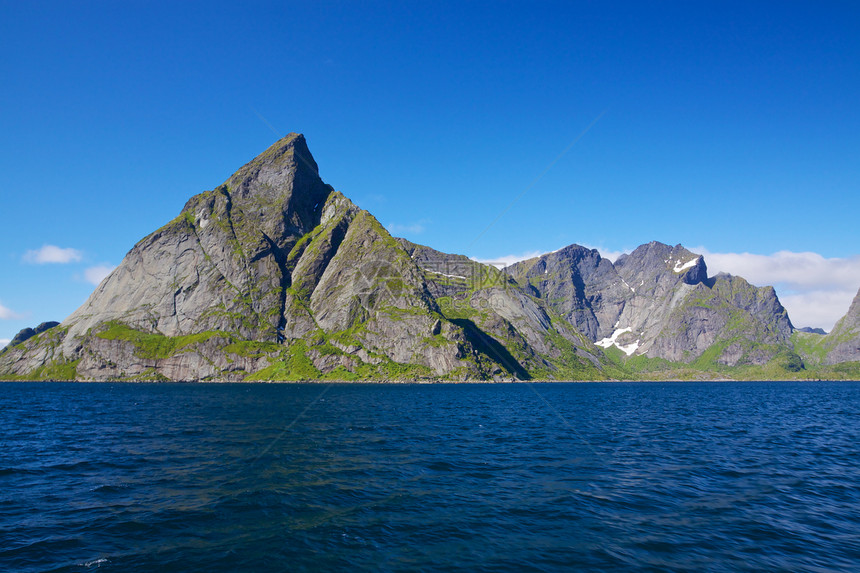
(843, 343)
(523, 334)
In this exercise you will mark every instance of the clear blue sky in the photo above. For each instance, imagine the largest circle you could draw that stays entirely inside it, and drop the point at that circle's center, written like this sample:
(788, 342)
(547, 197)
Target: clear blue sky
(732, 126)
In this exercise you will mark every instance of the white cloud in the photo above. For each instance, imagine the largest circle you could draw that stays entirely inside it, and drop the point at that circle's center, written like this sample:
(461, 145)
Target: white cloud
(799, 270)
(415, 228)
(8, 314)
(815, 290)
(4, 342)
(508, 260)
(96, 274)
(817, 308)
(52, 254)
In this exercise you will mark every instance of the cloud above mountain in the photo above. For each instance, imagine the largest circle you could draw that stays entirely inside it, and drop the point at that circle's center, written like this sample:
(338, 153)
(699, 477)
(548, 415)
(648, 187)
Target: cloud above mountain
(51, 254)
(815, 290)
(95, 275)
(9, 314)
(508, 260)
(798, 270)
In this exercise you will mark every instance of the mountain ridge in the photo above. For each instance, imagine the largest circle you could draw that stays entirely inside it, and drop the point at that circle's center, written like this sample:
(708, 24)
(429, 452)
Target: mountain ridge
(656, 301)
(275, 275)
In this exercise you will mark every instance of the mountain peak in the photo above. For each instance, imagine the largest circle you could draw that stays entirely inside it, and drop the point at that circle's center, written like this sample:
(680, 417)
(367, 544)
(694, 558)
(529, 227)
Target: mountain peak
(660, 258)
(293, 143)
(287, 163)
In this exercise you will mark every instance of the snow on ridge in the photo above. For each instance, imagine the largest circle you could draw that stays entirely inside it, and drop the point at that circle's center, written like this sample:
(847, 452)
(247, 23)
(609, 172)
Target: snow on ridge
(688, 265)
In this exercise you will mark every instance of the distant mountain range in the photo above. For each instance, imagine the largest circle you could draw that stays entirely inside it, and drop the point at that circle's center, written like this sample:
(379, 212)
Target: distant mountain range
(274, 275)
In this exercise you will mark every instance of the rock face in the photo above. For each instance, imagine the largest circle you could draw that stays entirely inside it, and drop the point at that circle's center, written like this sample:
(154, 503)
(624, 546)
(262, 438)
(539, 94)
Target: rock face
(843, 343)
(221, 265)
(659, 302)
(523, 335)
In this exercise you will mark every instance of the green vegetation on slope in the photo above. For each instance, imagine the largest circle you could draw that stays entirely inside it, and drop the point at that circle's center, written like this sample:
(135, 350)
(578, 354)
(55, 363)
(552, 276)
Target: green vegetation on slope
(151, 345)
(56, 370)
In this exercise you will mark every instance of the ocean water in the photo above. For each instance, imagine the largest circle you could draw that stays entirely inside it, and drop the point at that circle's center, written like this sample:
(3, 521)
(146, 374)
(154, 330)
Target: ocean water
(514, 477)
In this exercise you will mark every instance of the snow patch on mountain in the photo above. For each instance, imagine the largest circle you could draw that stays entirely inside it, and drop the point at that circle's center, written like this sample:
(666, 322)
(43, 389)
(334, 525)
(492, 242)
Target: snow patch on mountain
(688, 265)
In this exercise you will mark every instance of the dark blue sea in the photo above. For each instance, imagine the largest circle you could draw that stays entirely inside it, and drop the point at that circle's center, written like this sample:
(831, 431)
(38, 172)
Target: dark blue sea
(517, 477)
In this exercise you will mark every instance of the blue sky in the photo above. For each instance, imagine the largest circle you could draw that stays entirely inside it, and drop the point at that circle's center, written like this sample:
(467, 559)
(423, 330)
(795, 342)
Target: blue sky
(732, 128)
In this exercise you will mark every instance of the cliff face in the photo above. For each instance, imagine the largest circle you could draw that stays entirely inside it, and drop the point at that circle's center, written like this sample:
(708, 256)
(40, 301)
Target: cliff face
(524, 335)
(221, 264)
(843, 343)
(659, 302)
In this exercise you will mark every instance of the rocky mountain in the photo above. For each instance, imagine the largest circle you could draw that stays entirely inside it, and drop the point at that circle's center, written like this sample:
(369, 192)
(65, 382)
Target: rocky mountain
(520, 331)
(659, 302)
(274, 275)
(843, 342)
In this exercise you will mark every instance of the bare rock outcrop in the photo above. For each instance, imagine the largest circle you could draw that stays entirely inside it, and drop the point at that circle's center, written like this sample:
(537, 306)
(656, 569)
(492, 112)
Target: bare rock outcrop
(843, 342)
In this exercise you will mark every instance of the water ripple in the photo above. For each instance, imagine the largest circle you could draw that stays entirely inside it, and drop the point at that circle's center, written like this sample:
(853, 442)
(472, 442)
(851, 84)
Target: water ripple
(644, 477)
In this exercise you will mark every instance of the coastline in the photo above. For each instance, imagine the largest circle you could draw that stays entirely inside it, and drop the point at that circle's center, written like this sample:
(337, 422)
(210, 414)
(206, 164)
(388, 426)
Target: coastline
(434, 382)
